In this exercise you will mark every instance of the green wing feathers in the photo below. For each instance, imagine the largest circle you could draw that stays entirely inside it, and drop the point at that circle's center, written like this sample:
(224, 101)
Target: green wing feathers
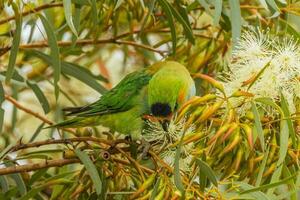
(119, 99)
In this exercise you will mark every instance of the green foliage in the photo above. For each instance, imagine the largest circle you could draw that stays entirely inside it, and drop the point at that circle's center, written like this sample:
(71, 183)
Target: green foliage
(67, 53)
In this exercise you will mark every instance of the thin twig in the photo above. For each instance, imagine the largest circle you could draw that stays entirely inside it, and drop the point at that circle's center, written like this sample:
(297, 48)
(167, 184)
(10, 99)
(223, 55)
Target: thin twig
(83, 42)
(64, 141)
(36, 166)
(27, 110)
(34, 10)
(35, 114)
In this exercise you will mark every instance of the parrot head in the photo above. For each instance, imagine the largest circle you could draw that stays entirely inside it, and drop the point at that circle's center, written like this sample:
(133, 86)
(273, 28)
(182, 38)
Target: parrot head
(170, 87)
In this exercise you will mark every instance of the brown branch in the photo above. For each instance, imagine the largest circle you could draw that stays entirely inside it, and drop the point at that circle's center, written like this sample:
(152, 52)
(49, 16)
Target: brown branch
(83, 42)
(65, 141)
(27, 110)
(34, 10)
(126, 162)
(36, 166)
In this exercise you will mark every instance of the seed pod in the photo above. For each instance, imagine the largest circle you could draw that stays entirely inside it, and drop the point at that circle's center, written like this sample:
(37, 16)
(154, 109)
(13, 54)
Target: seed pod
(270, 170)
(209, 111)
(272, 150)
(241, 93)
(177, 195)
(238, 159)
(221, 130)
(69, 154)
(194, 102)
(212, 81)
(251, 164)
(248, 130)
(233, 144)
(231, 116)
(293, 156)
(193, 137)
(258, 158)
(232, 128)
(195, 115)
(161, 194)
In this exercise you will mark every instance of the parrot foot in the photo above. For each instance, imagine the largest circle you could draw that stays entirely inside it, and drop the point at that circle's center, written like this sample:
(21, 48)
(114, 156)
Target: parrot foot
(144, 147)
(128, 138)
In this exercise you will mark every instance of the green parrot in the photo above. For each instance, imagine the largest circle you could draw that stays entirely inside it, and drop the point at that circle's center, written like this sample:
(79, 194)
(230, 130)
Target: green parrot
(158, 90)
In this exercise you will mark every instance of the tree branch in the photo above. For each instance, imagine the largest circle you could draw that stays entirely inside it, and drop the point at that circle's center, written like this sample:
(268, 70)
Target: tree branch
(27, 110)
(34, 10)
(36, 166)
(65, 141)
(35, 114)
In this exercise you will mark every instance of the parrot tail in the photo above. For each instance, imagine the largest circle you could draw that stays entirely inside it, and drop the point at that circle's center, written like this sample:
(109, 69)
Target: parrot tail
(76, 122)
(75, 110)
(70, 123)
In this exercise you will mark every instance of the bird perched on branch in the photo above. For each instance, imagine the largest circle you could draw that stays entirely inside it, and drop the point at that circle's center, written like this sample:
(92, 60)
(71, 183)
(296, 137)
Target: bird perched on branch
(157, 91)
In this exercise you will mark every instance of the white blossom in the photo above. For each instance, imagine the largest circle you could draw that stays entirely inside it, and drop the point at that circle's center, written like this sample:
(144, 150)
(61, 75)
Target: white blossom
(157, 136)
(272, 62)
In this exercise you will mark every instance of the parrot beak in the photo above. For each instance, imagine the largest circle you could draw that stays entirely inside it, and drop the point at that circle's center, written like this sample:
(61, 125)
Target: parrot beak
(165, 124)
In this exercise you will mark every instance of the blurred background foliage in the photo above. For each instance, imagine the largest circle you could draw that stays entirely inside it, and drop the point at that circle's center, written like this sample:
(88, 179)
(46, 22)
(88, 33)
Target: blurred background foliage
(67, 53)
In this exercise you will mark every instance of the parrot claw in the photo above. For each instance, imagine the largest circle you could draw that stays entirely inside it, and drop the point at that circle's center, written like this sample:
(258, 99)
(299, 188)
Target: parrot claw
(144, 147)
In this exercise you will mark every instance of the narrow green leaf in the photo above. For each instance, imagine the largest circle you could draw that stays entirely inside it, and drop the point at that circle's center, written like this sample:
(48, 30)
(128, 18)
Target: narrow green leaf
(268, 101)
(81, 2)
(273, 5)
(275, 177)
(94, 11)
(287, 116)
(76, 71)
(182, 18)
(83, 75)
(258, 126)
(262, 167)
(91, 169)
(56, 63)
(18, 180)
(218, 11)
(2, 98)
(3, 183)
(207, 171)
(37, 175)
(165, 6)
(68, 15)
(37, 131)
(76, 23)
(255, 194)
(284, 137)
(118, 4)
(34, 191)
(2, 94)
(264, 4)
(6, 150)
(177, 176)
(151, 7)
(40, 96)
(2, 112)
(236, 21)
(271, 185)
(286, 173)
(155, 189)
(15, 45)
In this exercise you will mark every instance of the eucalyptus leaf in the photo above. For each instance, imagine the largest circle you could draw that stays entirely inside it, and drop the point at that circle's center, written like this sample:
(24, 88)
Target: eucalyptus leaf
(16, 42)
